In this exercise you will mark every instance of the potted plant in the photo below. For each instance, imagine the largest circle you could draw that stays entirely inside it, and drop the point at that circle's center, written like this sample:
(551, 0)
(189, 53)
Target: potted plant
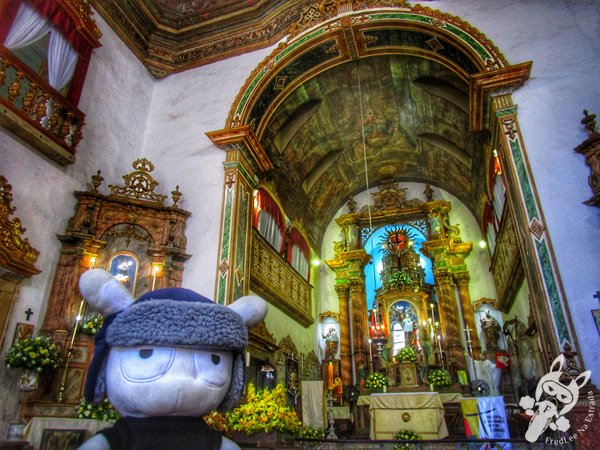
(264, 417)
(34, 355)
(377, 382)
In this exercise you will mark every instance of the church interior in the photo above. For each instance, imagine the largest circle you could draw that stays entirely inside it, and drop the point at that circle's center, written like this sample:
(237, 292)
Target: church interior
(413, 188)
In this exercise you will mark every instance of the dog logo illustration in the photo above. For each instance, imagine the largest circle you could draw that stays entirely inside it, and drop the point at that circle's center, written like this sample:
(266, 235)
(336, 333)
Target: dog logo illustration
(553, 400)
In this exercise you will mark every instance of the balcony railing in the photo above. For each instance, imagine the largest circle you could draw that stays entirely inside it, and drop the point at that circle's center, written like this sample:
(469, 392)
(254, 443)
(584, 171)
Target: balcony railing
(36, 112)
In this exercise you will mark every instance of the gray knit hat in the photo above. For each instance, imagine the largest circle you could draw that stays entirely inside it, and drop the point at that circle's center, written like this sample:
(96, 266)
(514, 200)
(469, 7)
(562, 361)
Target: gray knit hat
(169, 317)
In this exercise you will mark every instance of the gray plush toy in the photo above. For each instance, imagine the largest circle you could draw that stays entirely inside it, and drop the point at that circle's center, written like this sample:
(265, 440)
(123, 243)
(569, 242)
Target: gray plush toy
(164, 361)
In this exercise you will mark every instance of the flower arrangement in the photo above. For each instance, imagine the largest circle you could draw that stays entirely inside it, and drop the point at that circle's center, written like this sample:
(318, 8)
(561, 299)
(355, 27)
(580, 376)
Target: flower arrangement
(265, 410)
(407, 354)
(439, 377)
(103, 411)
(400, 277)
(311, 433)
(90, 324)
(405, 435)
(376, 380)
(35, 353)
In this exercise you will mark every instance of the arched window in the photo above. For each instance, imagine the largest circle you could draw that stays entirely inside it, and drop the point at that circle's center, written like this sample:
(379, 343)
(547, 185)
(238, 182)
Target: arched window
(299, 253)
(268, 219)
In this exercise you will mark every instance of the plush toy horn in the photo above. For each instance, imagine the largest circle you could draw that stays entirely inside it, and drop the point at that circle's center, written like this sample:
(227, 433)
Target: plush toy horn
(105, 294)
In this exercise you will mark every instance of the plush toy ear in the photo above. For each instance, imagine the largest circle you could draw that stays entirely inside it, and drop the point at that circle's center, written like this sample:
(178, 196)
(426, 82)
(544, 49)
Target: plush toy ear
(251, 308)
(103, 292)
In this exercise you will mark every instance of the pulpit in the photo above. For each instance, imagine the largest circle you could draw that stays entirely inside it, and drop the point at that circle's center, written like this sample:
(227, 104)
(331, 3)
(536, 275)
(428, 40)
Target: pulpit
(421, 412)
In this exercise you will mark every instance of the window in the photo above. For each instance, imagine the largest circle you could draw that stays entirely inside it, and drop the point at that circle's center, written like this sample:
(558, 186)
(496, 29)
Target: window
(50, 40)
(299, 253)
(268, 220)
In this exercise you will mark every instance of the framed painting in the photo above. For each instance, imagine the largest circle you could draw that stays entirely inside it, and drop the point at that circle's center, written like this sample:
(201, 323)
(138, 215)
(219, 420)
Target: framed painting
(22, 331)
(596, 314)
(53, 439)
(291, 380)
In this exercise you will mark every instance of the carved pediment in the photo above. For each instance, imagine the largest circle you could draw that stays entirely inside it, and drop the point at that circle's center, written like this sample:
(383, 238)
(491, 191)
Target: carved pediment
(16, 253)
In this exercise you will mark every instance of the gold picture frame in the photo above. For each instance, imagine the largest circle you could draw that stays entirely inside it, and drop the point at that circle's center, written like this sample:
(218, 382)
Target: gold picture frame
(64, 439)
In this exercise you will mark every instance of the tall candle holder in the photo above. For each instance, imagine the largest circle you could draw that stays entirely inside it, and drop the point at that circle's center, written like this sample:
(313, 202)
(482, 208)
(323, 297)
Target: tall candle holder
(61, 390)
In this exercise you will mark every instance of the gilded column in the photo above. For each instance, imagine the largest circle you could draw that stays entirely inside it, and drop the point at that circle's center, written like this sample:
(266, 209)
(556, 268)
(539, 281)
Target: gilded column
(360, 341)
(462, 281)
(345, 350)
(449, 319)
(245, 160)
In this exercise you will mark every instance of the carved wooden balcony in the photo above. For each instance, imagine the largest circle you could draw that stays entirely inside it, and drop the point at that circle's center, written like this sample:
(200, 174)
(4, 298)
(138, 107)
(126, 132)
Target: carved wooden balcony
(36, 112)
(272, 277)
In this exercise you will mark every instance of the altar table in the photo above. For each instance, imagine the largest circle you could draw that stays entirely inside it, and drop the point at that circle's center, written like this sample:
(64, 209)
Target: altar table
(421, 412)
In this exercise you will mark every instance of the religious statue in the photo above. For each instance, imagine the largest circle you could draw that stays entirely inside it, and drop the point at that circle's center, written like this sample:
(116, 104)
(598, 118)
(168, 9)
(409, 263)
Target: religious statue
(332, 342)
(491, 330)
(408, 327)
(268, 377)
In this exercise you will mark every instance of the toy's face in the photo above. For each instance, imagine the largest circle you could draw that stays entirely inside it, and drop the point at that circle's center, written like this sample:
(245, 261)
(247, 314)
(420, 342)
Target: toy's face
(150, 381)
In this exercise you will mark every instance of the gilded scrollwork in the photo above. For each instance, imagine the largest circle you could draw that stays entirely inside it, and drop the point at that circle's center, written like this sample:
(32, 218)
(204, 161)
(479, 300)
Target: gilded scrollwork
(16, 252)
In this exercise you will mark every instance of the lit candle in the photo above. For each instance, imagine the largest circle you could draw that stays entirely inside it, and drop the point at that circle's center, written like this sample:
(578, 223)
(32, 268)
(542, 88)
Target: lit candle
(432, 316)
(92, 262)
(330, 376)
(154, 272)
(440, 349)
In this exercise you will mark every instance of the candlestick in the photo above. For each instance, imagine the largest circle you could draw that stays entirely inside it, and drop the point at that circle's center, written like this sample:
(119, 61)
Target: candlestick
(440, 349)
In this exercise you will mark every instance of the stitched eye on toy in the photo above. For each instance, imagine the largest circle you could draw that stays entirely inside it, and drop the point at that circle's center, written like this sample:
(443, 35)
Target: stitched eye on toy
(213, 367)
(146, 363)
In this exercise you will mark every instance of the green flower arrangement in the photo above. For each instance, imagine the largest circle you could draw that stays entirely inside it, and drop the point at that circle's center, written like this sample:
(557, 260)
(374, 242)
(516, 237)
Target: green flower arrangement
(265, 410)
(35, 353)
(439, 377)
(400, 277)
(103, 411)
(407, 354)
(376, 380)
(90, 324)
(311, 433)
(405, 435)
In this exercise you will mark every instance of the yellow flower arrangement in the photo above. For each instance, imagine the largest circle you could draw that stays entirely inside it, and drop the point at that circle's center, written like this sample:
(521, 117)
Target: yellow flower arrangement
(265, 410)
(103, 411)
(91, 324)
(36, 353)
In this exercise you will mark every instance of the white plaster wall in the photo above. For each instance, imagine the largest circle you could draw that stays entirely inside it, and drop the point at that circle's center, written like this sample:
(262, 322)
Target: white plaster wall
(186, 106)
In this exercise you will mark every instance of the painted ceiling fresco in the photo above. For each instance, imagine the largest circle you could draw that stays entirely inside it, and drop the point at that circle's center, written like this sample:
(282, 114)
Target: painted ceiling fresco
(414, 113)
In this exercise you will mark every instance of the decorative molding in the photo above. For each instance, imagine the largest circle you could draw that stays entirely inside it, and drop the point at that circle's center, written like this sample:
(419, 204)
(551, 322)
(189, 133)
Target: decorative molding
(16, 253)
(590, 148)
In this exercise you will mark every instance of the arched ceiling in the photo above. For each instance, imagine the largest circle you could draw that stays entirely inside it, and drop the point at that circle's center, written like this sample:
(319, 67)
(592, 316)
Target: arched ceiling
(396, 117)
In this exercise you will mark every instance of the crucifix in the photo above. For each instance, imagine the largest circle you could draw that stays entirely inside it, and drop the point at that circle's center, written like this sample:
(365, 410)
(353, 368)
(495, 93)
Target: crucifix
(28, 313)
(470, 350)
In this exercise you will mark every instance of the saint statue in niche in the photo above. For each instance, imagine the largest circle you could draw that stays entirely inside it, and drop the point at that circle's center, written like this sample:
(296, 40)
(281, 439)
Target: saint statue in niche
(332, 341)
(268, 378)
(491, 330)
